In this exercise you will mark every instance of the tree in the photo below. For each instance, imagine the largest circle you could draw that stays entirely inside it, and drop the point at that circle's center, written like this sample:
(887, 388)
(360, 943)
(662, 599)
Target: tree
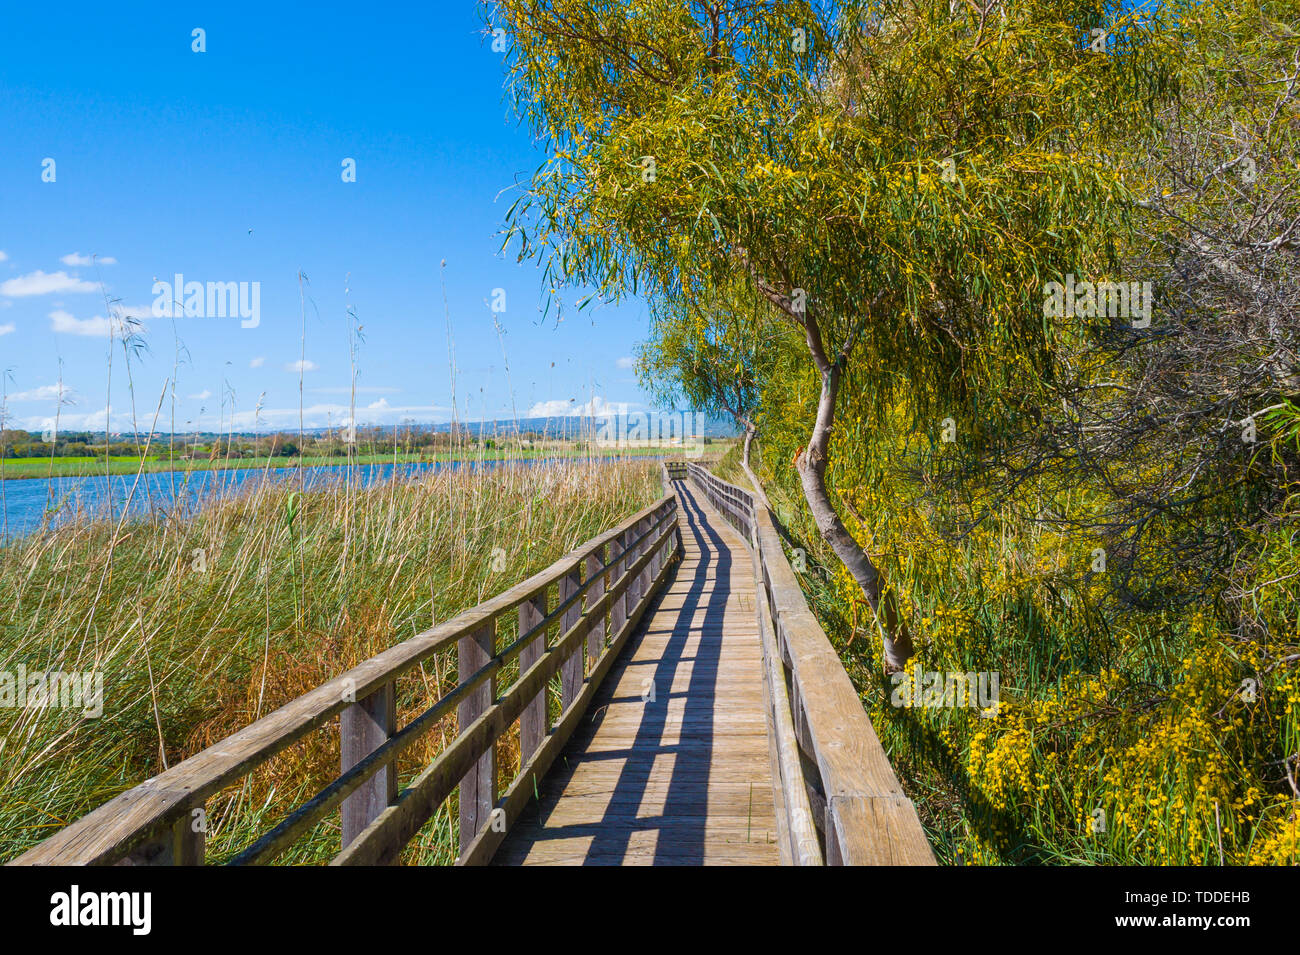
(896, 179)
(713, 353)
(1168, 424)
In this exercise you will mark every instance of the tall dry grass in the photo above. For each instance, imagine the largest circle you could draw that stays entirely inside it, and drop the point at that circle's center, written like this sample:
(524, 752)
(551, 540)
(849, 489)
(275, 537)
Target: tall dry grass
(200, 626)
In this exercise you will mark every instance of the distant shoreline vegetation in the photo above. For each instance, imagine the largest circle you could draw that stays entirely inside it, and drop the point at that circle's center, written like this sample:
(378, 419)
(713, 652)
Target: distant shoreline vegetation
(31, 455)
(36, 468)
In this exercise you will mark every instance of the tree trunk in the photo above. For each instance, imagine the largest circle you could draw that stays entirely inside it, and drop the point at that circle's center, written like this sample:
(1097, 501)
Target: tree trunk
(749, 439)
(896, 642)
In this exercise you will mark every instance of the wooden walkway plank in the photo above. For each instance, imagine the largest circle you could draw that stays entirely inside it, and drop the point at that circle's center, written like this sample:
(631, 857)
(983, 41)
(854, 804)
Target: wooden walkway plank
(672, 764)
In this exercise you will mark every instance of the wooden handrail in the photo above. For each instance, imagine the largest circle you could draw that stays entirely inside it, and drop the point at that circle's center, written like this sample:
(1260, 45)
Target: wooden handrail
(839, 801)
(603, 587)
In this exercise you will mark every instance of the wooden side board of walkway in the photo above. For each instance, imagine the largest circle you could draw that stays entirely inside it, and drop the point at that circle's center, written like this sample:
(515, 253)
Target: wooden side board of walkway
(671, 765)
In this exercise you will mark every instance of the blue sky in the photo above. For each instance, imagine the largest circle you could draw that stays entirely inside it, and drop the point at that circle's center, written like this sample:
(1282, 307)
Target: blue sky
(226, 166)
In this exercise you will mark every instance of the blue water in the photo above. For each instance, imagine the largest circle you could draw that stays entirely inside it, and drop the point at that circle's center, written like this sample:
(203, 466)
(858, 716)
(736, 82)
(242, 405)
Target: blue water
(26, 501)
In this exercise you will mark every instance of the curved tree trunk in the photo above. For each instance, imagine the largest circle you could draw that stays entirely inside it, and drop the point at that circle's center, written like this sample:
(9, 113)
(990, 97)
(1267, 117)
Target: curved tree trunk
(896, 641)
(749, 439)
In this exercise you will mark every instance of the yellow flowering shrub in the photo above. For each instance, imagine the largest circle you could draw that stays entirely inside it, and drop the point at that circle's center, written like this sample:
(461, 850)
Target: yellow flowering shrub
(1166, 736)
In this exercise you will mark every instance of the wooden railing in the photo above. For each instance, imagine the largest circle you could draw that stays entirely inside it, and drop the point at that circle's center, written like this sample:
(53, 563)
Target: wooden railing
(592, 599)
(838, 800)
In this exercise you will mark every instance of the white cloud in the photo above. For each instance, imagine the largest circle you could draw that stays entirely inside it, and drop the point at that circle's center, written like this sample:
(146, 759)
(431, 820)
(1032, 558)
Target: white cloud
(42, 283)
(301, 365)
(627, 361)
(76, 258)
(203, 395)
(91, 421)
(97, 327)
(380, 405)
(8, 329)
(550, 409)
(3, 257)
(257, 362)
(597, 407)
(43, 393)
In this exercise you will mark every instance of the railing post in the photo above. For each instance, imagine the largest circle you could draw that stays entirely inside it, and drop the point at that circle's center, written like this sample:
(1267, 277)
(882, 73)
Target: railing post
(363, 727)
(191, 836)
(532, 721)
(665, 547)
(657, 557)
(629, 557)
(643, 581)
(572, 670)
(595, 570)
(617, 609)
(478, 787)
(633, 552)
(182, 844)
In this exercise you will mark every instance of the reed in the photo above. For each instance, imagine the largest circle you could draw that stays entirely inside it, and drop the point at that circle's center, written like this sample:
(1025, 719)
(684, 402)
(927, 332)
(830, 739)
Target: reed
(200, 625)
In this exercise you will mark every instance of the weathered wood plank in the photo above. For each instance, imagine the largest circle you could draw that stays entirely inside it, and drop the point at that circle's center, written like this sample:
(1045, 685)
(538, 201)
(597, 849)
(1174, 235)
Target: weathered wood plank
(478, 787)
(183, 844)
(574, 669)
(532, 721)
(363, 727)
(618, 611)
(595, 572)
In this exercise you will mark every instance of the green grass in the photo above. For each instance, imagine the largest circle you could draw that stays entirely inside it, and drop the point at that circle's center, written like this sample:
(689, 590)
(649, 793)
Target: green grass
(201, 626)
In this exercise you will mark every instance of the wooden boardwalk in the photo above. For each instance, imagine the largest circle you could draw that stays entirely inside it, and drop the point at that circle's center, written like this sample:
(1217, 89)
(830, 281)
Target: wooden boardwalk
(677, 702)
(672, 763)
